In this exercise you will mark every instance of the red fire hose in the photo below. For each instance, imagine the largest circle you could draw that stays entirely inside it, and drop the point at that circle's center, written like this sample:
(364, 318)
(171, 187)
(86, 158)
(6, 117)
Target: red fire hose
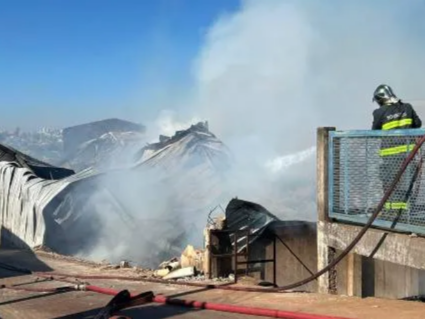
(253, 311)
(263, 312)
(300, 283)
(270, 312)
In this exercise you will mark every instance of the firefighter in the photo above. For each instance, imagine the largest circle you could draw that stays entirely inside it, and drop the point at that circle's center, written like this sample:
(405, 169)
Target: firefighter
(393, 114)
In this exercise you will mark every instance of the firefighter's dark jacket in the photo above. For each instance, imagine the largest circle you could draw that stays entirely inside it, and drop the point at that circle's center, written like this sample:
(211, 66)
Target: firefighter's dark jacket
(394, 117)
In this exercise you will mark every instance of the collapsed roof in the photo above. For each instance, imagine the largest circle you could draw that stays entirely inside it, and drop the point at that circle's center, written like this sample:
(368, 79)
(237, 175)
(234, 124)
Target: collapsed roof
(195, 161)
(100, 144)
(74, 136)
(38, 168)
(104, 151)
(128, 212)
(242, 215)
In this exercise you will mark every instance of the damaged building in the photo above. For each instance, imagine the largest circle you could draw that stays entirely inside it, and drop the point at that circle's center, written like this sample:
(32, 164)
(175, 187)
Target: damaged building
(160, 202)
(154, 203)
(101, 144)
(155, 209)
(249, 242)
(360, 247)
(75, 136)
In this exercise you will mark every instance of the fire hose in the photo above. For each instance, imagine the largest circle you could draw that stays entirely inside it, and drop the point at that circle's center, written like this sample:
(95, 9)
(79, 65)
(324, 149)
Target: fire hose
(247, 310)
(254, 311)
(123, 299)
(331, 265)
(314, 276)
(259, 311)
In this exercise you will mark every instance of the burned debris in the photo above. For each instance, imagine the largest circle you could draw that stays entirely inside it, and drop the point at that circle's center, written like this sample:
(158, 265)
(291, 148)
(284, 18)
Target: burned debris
(155, 201)
(159, 202)
(188, 265)
(243, 244)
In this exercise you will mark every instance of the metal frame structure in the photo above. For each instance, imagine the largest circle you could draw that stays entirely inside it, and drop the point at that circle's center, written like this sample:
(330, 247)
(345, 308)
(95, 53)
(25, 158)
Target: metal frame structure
(362, 219)
(235, 254)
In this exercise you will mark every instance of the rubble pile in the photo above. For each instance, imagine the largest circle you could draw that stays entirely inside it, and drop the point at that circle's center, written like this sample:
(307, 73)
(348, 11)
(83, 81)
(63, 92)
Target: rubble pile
(193, 264)
(158, 202)
(190, 264)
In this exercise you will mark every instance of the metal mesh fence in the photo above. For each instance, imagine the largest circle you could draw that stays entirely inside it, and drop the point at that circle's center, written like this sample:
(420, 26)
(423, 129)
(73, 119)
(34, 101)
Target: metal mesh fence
(363, 167)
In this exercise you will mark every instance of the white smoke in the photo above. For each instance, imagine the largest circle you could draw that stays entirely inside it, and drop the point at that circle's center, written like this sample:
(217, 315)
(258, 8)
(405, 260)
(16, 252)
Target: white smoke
(272, 72)
(278, 69)
(167, 123)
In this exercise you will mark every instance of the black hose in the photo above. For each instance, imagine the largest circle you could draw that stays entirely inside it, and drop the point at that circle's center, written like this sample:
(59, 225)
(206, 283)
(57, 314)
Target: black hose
(400, 211)
(365, 228)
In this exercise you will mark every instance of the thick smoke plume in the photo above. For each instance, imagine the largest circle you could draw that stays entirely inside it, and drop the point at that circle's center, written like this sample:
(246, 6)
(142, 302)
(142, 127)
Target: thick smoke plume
(270, 73)
(278, 69)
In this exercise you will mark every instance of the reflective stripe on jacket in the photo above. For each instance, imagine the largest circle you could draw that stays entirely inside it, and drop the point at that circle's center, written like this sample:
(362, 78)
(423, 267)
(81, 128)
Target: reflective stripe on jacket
(394, 117)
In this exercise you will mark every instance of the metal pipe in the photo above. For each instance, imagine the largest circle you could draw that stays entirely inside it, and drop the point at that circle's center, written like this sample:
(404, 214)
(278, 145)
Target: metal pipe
(274, 262)
(236, 255)
(247, 252)
(209, 254)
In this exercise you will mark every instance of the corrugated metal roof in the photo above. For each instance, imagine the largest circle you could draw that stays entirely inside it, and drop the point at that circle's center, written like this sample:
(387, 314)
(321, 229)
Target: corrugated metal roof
(72, 213)
(39, 168)
(242, 215)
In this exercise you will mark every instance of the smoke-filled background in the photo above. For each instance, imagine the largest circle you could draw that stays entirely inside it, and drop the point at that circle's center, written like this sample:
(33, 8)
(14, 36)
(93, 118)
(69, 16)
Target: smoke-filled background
(270, 73)
(266, 75)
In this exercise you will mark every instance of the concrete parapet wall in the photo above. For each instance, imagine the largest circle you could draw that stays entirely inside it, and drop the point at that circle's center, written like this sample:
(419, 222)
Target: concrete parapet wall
(383, 264)
(396, 270)
(396, 248)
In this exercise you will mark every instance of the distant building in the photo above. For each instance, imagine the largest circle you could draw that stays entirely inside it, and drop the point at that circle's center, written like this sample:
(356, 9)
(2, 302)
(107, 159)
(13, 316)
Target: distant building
(74, 136)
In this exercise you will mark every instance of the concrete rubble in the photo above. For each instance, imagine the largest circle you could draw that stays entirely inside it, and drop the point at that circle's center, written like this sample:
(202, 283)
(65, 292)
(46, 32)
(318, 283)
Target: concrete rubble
(192, 257)
(193, 264)
(124, 264)
(189, 264)
(181, 273)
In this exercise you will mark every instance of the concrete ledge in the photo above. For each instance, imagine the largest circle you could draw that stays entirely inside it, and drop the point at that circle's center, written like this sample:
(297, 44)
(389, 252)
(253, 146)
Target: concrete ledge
(397, 248)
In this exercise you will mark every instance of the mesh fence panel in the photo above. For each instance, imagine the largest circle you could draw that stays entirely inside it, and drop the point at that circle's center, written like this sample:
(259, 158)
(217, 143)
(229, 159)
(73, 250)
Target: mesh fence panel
(364, 167)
